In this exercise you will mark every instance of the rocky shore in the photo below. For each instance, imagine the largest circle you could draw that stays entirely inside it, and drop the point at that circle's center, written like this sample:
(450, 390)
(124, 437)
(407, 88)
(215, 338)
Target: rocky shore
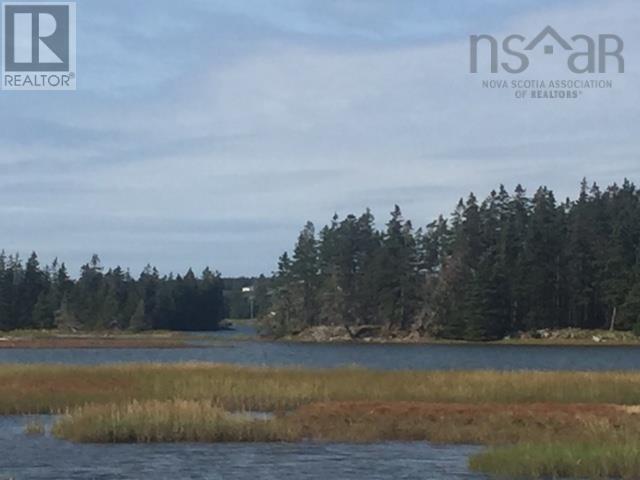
(380, 334)
(359, 333)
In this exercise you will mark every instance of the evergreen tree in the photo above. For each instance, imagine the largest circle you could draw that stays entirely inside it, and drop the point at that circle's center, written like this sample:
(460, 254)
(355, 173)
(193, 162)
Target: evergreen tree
(139, 321)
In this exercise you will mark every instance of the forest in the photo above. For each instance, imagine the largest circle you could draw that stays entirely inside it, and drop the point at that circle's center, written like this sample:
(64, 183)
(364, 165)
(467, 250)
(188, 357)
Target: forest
(509, 263)
(35, 297)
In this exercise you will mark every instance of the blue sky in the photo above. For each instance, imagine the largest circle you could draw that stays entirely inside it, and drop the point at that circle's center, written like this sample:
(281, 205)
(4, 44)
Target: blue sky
(207, 132)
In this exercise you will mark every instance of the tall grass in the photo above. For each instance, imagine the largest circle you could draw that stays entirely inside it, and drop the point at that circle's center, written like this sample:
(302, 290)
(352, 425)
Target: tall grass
(179, 420)
(34, 427)
(487, 424)
(561, 460)
(171, 421)
(55, 388)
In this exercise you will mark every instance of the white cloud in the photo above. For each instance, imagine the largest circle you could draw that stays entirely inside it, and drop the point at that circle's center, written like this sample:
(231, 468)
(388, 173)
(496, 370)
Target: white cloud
(293, 132)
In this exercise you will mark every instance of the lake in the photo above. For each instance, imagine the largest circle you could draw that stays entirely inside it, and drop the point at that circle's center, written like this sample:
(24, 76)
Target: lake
(232, 347)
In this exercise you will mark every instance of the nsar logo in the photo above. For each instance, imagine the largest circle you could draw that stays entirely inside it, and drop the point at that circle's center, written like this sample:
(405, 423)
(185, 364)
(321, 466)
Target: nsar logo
(585, 53)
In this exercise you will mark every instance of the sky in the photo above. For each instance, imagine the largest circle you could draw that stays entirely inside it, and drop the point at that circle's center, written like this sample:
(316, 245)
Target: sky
(207, 132)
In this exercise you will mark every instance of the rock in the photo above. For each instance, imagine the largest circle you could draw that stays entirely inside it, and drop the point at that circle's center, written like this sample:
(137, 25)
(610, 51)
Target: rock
(325, 333)
(365, 331)
(544, 333)
(596, 339)
(413, 336)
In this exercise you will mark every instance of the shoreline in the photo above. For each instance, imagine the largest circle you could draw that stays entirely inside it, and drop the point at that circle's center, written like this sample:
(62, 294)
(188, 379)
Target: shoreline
(52, 339)
(562, 338)
(58, 340)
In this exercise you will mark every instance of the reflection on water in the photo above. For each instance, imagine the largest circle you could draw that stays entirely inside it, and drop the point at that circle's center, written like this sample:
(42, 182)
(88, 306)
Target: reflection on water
(43, 457)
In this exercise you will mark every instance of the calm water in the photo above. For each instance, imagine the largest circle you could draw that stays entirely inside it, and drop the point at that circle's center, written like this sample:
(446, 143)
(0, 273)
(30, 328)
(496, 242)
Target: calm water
(43, 457)
(226, 347)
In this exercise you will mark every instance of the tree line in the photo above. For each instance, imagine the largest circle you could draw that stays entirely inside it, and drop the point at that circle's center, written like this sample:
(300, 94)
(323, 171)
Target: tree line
(35, 297)
(506, 264)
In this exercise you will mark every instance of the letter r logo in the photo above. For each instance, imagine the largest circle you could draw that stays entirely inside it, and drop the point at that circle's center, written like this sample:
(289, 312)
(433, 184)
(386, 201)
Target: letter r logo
(36, 37)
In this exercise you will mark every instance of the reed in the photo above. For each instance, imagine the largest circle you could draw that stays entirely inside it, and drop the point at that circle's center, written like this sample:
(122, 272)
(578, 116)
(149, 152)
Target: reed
(179, 421)
(561, 460)
(28, 389)
(486, 424)
(170, 421)
(34, 427)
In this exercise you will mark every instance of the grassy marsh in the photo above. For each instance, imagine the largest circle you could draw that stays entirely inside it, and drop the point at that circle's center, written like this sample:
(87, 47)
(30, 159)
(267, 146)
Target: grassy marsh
(486, 424)
(593, 419)
(26, 389)
(179, 420)
(169, 421)
(561, 460)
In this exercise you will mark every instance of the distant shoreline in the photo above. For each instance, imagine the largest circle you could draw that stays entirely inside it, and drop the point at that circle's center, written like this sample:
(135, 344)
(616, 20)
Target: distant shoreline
(44, 339)
(52, 339)
(561, 337)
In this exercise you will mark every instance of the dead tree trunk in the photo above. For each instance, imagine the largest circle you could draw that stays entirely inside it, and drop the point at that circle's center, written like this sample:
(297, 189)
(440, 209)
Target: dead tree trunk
(613, 318)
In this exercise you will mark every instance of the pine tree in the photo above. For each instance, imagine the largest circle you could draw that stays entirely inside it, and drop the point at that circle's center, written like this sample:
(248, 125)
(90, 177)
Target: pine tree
(541, 261)
(65, 318)
(304, 277)
(32, 286)
(631, 307)
(139, 321)
(398, 288)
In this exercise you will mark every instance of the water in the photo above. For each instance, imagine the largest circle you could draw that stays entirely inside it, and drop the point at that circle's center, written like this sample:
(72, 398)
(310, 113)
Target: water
(46, 458)
(228, 347)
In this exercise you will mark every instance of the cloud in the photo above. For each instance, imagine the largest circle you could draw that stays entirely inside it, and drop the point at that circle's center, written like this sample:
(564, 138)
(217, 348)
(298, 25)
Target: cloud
(255, 119)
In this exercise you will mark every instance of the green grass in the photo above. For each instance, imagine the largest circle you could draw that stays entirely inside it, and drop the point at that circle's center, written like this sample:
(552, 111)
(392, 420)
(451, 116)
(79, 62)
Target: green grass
(171, 421)
(561, 460)
(28, 389)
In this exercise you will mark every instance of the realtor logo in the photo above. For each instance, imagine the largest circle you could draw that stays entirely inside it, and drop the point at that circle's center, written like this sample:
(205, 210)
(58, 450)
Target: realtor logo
(39, 51)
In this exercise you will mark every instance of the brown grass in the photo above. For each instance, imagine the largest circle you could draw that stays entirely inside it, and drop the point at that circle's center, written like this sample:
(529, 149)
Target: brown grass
(178, 421)
(170, 421)
(463, 423)
(54, 388)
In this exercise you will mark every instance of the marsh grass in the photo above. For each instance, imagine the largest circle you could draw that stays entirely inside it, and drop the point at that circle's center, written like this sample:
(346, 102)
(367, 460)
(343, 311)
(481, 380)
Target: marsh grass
(94, 341)
(561, 460)
(179, 421)
(591, 420)
(34, 427)
(28, 389)
(169, 421)
(551, 440)
(487, 424)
